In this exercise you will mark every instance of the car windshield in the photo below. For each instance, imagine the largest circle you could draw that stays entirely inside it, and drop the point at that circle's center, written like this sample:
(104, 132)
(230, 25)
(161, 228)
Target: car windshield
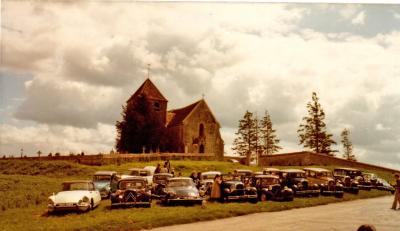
(102, 178)
(180, 183)
(161, 178)
(323, 174)
(140, 173)
(268, 181)
(296, 175)
(76, 186)
(230, 177)
(208, 176)
(131, 184)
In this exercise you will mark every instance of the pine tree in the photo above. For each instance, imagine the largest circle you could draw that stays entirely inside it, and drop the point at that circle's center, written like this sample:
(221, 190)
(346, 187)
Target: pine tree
(140, 128)
(312, 131)
(268, 137)
(347, 145)
(246, 141)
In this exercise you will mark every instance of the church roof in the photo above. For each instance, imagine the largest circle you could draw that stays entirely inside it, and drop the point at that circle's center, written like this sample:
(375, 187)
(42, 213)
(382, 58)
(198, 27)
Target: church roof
(150, 90)
(177, 116)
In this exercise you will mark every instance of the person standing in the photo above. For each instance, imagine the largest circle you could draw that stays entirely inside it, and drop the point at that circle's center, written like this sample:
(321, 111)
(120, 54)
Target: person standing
(216, 188)
(397, 192)
(158, 168)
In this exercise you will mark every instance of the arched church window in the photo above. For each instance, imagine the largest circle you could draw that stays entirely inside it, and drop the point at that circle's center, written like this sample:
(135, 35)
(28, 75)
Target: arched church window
(201, 130)
(157, 106)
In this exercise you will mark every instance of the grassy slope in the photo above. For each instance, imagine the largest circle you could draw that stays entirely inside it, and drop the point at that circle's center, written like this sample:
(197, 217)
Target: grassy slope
(25, 186)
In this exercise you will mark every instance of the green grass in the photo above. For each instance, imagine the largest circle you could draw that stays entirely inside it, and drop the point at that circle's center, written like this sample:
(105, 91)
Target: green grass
(103, 218)
(25, 186)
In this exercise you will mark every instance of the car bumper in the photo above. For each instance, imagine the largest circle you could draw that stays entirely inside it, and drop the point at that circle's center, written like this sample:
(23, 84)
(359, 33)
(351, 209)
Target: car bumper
(331, 193)
(365, 187)
(351, 189)
(131, 204)
(185, 200)
(307, 192)
(241, 197)
(66, 207)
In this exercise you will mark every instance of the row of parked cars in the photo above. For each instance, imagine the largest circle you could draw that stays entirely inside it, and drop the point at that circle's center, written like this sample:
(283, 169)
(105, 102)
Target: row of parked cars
(140, 186)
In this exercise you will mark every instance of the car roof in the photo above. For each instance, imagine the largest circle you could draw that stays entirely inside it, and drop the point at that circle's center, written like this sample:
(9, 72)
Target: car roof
(346, 168)
(133, 178)
(243, 170)
(316, 169)
(77, 181)
(271, 169)
(163, 174)
(180, 178)
(267, 176)
(105, 173)
(292, 170)
(211, 172)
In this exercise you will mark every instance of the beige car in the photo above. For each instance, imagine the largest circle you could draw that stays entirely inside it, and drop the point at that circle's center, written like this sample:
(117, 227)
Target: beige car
(325, 180)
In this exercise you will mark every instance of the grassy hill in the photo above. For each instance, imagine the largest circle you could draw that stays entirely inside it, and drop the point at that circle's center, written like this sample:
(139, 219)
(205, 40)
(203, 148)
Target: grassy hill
(25, 186)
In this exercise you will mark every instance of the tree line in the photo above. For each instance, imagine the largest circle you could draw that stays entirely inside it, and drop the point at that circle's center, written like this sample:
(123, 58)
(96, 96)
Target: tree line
(255, 137)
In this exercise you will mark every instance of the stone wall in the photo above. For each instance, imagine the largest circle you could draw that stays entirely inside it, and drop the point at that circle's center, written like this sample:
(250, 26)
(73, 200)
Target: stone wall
(123, 158)
(309, 158)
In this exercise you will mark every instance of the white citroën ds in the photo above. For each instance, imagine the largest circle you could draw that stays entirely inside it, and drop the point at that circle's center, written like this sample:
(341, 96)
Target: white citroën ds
(80, 196)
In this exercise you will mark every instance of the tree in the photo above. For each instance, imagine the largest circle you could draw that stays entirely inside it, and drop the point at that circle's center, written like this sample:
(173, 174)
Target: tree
(268, 137)
(140, 127)
(347, 145)
(312, 132)
(246, 141)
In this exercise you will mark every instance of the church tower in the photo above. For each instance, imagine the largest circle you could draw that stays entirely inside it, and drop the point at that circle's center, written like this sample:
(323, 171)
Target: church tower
(157, 101)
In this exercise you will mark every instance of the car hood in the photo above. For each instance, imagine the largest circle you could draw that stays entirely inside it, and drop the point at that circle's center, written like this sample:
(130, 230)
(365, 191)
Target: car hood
(101, 184)
(183, 191)
(69, 196)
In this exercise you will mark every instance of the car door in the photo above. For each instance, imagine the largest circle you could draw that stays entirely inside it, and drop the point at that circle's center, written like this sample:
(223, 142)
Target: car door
(95, 195)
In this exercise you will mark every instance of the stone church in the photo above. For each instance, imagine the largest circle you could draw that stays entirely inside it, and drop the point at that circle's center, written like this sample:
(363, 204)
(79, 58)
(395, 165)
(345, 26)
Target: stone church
(191, 129)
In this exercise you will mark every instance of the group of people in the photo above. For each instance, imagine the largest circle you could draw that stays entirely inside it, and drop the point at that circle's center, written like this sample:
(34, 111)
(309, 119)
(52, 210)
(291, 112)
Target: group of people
(166, 168)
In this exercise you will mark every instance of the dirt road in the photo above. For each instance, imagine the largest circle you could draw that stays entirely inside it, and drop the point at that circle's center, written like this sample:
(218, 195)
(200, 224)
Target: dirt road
(346, 216)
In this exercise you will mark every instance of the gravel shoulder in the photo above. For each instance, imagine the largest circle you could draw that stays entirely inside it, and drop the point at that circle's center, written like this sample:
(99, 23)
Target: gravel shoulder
(337, 216)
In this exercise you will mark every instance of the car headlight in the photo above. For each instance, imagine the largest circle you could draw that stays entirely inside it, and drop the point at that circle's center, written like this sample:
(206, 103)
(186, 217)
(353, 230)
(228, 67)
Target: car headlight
(192, 194)
(85, 199)
(50, 202)
(227, 190)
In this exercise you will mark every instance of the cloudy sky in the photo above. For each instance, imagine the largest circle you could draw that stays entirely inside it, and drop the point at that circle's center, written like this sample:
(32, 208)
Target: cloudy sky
(68, 68)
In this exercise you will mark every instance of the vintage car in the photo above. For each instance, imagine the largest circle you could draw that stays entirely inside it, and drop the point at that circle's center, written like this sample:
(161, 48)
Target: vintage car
(271, 171)
(206, 181)
(370, 177)
(325, 180)
(131, 191)
(145, 173)
(181, 190)
(346, 177)
(383, 185)
(103, 180)
(244, 172)
(80, 196)
(233, 189)
(269, 188)
(159, 182)
(296, 180)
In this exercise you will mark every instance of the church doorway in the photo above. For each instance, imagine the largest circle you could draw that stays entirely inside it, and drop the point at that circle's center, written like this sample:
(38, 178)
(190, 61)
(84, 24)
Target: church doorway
(201, 148)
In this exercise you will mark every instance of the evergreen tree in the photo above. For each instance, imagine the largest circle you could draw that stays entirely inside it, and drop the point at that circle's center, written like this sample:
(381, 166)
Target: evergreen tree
(268, 137)
(312, 131)
(140, 128)
(245, 143)
(347, 145)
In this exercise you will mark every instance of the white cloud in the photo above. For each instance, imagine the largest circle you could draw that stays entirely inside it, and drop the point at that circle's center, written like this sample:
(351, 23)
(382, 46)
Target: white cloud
(359, 19)
(260, 60)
